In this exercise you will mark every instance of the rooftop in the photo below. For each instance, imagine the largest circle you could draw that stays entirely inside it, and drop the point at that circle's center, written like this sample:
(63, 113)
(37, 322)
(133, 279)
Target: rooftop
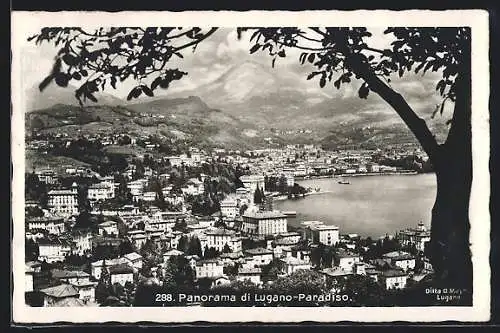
(311, 223)
(121, 269)
(336, 272)
(61, 291)
(249, 271)
(207, 261)
(346, 254)
(107, 224)
(69, 302)
(258, 251)
(109, 262)
(66, 274)
(231, 255)
(220, 232)
(393, 273)
(323, 227)
(132, 256)
(294, 261)
(173, 252)
(264, 215)
(398, 255)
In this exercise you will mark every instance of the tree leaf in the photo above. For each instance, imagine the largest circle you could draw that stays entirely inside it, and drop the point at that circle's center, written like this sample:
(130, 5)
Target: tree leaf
(62, 79)
(255, 48)
(147, 91)
(442, 108)
(156, 83)
(419, 67)
(91, 97)
(313, 74)
(322, 81)
(131, 94)
(337, 83)
(302, 57)
(113, 82)
(363, 91)
(46, 82)
(69, 59)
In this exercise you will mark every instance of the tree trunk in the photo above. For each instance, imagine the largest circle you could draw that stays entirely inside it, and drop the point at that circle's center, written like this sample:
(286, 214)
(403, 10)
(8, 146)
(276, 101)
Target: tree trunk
(452, 162)
(451, 257)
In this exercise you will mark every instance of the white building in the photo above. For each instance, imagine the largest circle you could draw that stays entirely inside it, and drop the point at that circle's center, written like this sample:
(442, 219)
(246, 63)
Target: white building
(259, 256)
(264, 223)
(136, 188)
(134, 260)
(97, 266)
(53, 225)
(252, 182)
(47, 176)
(53, 250)
(346, 260)
(193, 187)
(251, 274)
(290, 179)
(171, 253)
(394, 279)
(102, 191)
(210, 268)
(290, 265)
(121, 274)
(417, 237)
(229, 207)
(64, 202)
(218, 238)
(31, 268)
(82, 241)
(149, 196)
(86, 290)
(401, 259)
(324, 234)
(108, 228)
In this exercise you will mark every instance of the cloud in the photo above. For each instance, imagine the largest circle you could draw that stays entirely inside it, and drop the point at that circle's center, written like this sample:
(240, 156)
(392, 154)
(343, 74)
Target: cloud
(222, 50)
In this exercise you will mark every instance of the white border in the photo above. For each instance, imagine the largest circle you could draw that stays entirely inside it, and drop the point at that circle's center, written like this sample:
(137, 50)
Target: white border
(25, 23)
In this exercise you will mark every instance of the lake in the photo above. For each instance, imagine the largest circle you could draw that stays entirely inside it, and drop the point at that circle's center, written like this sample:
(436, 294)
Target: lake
(369, 205)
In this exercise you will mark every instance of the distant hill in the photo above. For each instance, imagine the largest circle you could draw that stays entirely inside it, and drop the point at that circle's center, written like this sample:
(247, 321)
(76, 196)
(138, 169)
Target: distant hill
(248, 106)
(53, 94)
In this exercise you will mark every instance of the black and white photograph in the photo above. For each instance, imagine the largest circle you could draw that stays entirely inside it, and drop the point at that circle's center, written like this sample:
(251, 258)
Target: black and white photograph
(251, 167)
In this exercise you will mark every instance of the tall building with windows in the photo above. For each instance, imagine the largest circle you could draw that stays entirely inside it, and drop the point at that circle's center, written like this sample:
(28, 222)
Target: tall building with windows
(318, 232)
(252, 182)
(64, 202)
(104, 190)
(265, 223)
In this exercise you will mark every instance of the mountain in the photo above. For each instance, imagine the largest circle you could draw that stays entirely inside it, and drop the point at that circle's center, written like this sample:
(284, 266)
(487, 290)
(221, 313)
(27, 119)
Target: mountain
(247, 106)
(286, 101)
(53, 94)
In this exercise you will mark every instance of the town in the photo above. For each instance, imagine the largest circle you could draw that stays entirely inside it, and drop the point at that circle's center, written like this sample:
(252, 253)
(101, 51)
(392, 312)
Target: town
(121, 229)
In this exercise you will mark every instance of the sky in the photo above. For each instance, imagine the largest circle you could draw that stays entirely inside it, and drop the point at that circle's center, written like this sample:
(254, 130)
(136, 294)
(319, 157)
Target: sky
(222, 50)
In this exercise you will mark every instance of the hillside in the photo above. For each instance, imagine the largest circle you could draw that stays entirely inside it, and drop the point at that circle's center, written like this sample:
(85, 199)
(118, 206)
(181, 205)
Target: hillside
(53, 94)
(243, 108)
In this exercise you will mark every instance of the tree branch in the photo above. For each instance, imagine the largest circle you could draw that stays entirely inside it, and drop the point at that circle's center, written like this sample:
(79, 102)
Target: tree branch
(195, 42)
(416, 124)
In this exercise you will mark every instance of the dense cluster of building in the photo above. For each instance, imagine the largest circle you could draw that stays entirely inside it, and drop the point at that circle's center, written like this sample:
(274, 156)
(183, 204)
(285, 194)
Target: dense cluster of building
(226, 233)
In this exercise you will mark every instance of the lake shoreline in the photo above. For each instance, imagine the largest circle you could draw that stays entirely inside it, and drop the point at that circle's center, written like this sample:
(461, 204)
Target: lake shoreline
(391, 173)
(370, 206)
